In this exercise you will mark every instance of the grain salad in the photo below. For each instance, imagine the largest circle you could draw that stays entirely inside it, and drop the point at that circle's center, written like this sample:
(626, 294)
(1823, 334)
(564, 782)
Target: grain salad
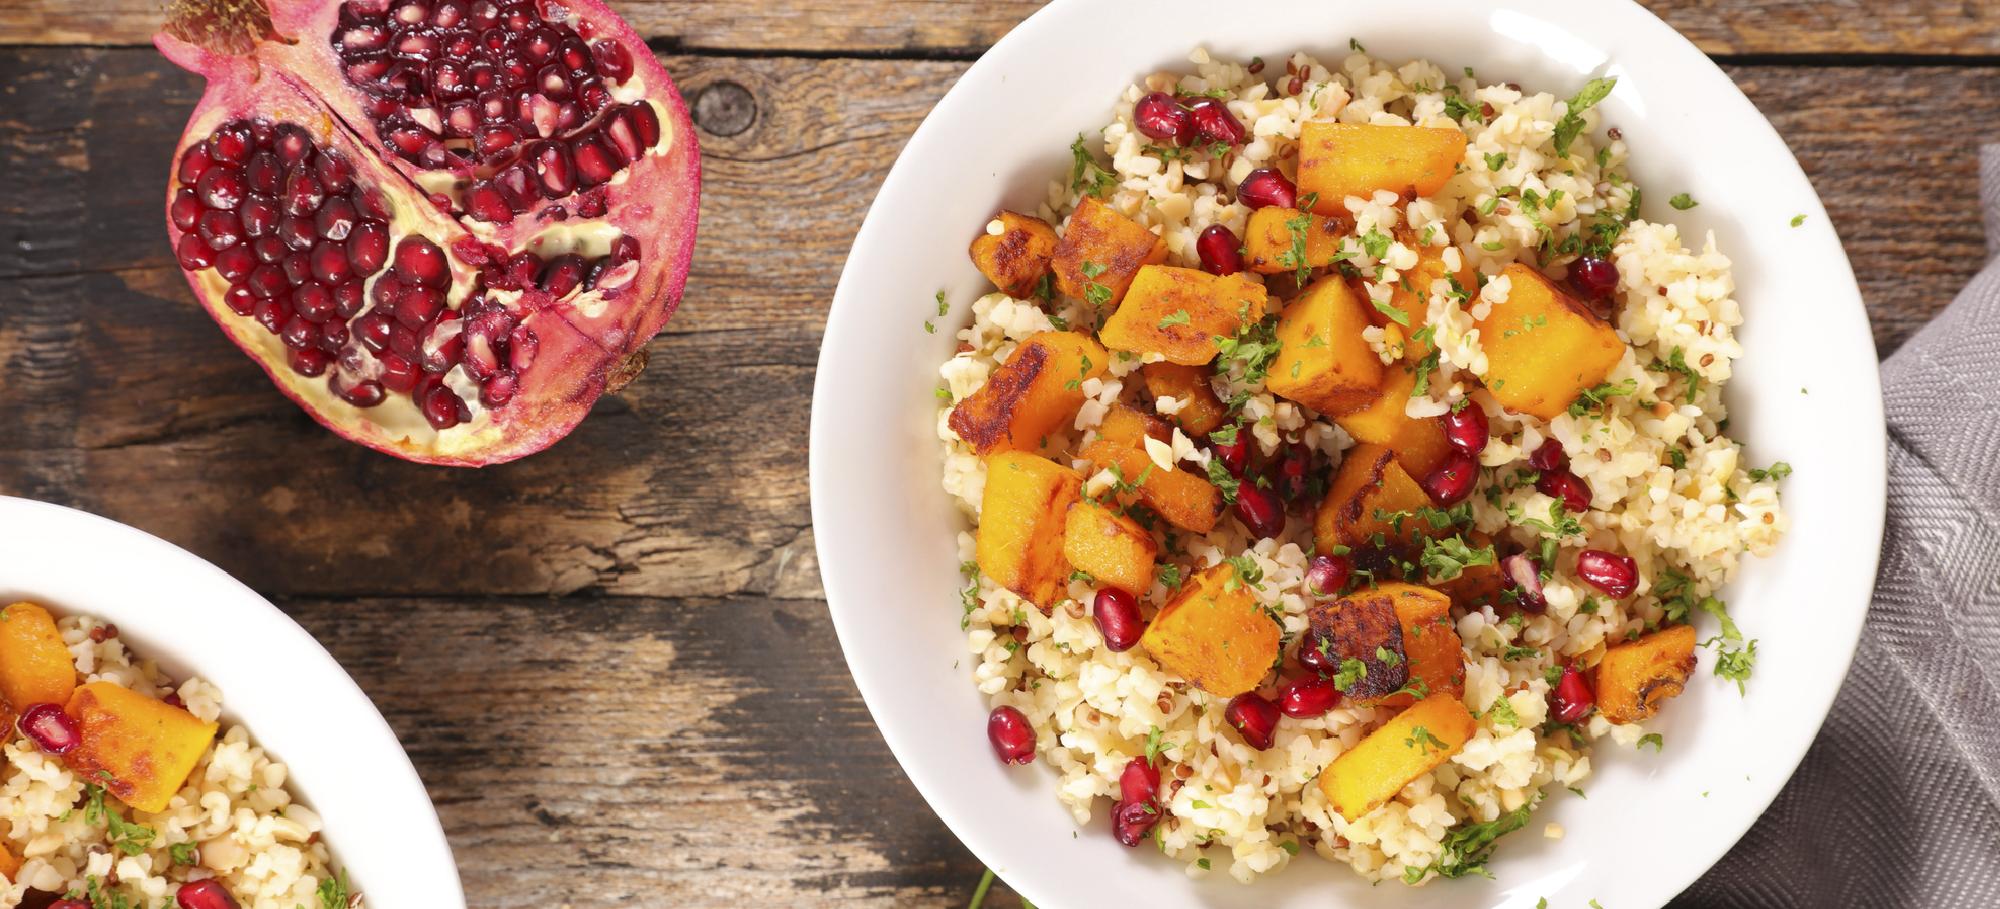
(125, 789)
(1344, 460)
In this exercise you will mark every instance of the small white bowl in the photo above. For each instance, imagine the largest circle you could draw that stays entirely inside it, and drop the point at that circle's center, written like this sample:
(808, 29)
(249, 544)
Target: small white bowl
(1806, 392)
(193, 619)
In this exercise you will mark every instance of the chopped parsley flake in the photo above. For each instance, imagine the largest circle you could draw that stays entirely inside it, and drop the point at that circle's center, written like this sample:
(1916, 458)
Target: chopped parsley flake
(1777, 471)
(1654, 739)
(1571, 123)
(1734, 657)
(1682, 202)
(1593, 398)
(1084, 175)
(1468, 846)
(1798, 220)
(1179, 317)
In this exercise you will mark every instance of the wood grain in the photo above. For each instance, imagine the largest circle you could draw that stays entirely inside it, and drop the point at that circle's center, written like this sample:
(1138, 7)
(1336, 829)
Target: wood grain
(962, 27)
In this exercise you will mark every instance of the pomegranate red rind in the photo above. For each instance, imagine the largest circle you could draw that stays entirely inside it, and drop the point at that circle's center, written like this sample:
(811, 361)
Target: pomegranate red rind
(522, 311)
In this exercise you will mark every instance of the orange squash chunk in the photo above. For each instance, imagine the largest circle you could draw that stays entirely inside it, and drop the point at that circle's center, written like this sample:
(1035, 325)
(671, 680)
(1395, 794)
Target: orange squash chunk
(1131, 427)
(1635, 678)
(1179, 312)
(1214, 634)
(1268, 239)
(140, 748)
(1369, 480)
(1201, 411)
(1015, 259)
(1411, 294)
(1417, 741)
(1337, 160)
(1323, 362)
(35, 665)
(1037, 391)
(1022, 515)
(1542, 347)
(1100, 253)
(1419, 443)
(1110, 547)
(1185, 500)
(1436, 659)
(10, 864)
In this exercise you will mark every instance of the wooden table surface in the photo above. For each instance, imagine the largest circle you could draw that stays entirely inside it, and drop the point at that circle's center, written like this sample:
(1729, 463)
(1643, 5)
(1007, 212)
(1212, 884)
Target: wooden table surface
(611, 662)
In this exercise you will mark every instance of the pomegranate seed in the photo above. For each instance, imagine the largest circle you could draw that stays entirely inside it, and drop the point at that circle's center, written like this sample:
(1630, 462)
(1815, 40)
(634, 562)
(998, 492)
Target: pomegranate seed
(1265, 187)
(185, 208)
(419, 306)
(1549, 456)
(498, 390)
(1131, 821)
(230, 144)
(1525, 576)
(1294, 473)
(310, 362)
(194, 255)
(1326, 575)
(264, 175)
(1213, 122)
(1255, 717)
(1452, 482)
(419, 261)
(1567, 488)
(303, 194)
(1012, 736)
(368, 247)
(219, 229)
(1316, 653)
(204, 894)
(521, 347)
(1306, 698)
(235, 263)
(51, 729)
(1593, 278)
(291, 142)
(240, 300)
(1259, 510)
(594, 163)
(329, 263)
(1220, 251)
(334, 173)
(221, 187)
(398, 374)
(193, 164)
(484, 203)
(335, 220)
(562, 275)
(297, 268)
(299, 334)
(647, 121)
(269, 250)
(1235, 454)
(612, 59)
(1140, 781)
(313, 303)
(273, 314)
(1616, 575)
(1159, 117)
(1571, 698)
(443, 409)
(297, 233)
(347, 300)
(1466, 429)
(1117, 615)
(260, 217)
(267, 281)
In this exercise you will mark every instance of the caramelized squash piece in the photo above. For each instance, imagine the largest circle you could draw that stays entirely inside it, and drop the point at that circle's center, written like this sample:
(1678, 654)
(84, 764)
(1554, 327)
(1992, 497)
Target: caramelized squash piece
(1635, 678)
(1022, 516)
(1436, 659)
(1412, 293)
(1100, 253)
(1337, 160)
(140, 748)
(1214, 634)
(1369, 480)
(1323, 362)
(1362, 628)
(1110, 547)
(10, 864)
(1417, 741)
(1179, 312)
(1268, 239)
(1185, 500)
(1037, 391)
(1015, 259)
(35, 665)
(1419, 443)
(1131, 427)
(1544, 348)
(1201, 411)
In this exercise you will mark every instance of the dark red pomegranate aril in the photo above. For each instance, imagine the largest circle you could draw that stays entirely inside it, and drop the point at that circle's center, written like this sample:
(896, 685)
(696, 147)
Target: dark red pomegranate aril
(185, 208)
(310, 361)
(230, 145)
(1549, 456)
(398, 374)
(1467, 429)
(1571, 699)
(1159, 117)
(623, 139)
(1139, 781)
(1303, 699)
(594, 163)
(192, 253)
(419, 306)
(1013, 737)
(348, 300)
(299, 334)
(69, 904)
(235, 263)
(1265, 187)
(297, 232)
(1567, 488)
(1254, 717)
(1593, 278)
(646, 121)
(333, 172)
(444, 409)
(221, 187)
(1117, 616)
(521, 348)
(1214, 123)
(612, 59)
(1326, 575)
(1616, 575)
(267, 281)
(1234, 454)
(264, 174)
(1260, 510)
(1452, 482)
(372, 330)
(51, 729)
(1294, 473)
(1220, 250)
(297, 268)
(1131, 821)
(1524, 575)
(240, 300)
(269, 250)
(336, 219)
(273, 314)
(367, 393)
(219, 229)
(562, 275)
(485, 203)
(204, 894)
(368, 247)
(419, 261)
(260, 217)
(329, 264)
(1316, 654)
(194, 163)
(497, 391)
(313, 303)
(303, 194)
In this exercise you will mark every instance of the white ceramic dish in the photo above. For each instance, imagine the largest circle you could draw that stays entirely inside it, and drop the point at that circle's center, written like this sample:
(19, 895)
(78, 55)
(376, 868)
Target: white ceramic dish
(1806, 391)
(297, 702)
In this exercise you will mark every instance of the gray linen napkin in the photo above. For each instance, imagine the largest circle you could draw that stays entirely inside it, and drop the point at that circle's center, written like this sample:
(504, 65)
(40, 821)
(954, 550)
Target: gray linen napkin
(1898, 802)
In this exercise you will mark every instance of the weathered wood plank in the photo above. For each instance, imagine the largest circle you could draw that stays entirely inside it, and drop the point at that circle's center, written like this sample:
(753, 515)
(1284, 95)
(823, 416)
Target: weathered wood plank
(960, 27)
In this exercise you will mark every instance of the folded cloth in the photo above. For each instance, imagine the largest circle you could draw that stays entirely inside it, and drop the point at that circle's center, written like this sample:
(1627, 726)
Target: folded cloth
(1898, 802)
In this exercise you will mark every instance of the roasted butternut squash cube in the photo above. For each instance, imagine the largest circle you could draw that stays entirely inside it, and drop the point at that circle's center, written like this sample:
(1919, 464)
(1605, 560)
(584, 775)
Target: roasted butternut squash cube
(1419, 442)
(1370, 485)
(1201, 411)
(140, 748)
(1323, 361)
(1635, 678)
(1037, 391)
(1271, 238)
(1185, 500)
(1131, 427)
(1544, 348)
(1411, 294)
(1361, 634)
(1179, 312)
(1101, 251)
(1018, 256)
(35, 665)
(10, 864)
(1417, 741)
(1214, 634)
(1337, 160)
(1022, 516)
(1435, 659)
(1110, 547)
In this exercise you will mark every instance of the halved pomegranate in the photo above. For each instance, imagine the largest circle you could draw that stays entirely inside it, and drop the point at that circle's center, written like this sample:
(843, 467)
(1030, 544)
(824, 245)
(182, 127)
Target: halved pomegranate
(443, 227)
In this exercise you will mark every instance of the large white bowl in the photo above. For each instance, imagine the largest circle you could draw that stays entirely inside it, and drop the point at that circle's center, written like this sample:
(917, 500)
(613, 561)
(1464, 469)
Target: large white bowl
(1806, 392)
(193, 619)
